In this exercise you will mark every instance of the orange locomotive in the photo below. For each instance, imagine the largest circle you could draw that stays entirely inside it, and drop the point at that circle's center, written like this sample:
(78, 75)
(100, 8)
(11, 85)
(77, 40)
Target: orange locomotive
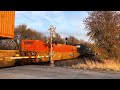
(38, 47)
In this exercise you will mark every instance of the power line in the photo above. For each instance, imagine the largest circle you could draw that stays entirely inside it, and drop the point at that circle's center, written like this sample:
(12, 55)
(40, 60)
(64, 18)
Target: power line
(66, 33)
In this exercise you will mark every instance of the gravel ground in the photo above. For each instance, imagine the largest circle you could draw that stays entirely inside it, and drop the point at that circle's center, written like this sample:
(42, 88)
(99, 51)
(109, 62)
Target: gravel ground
(48, 72)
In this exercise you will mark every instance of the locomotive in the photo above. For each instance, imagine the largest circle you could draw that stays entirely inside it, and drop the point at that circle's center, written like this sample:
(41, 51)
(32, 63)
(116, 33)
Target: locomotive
(40, 48)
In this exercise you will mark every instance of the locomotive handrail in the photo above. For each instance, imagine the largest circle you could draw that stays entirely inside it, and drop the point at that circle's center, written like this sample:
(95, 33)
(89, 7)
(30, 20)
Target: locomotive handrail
(25, 57)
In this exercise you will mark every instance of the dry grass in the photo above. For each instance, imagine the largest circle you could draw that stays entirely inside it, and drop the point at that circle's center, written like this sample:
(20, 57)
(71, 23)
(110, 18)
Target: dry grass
(110, 65)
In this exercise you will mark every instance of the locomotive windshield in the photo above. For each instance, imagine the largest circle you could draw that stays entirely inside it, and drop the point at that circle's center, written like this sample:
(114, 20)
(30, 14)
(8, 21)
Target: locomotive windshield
(28, 43)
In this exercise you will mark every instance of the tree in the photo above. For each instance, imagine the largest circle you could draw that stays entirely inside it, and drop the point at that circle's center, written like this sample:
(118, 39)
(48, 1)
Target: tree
(81, 41)
(21, 33)
(27, 34)
(72, 40)
(104, 29)
(57, 39)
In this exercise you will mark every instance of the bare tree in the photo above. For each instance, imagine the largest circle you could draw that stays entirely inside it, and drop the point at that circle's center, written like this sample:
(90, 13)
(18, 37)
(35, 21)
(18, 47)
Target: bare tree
(104, 28)
(21, 33)
(72, 40)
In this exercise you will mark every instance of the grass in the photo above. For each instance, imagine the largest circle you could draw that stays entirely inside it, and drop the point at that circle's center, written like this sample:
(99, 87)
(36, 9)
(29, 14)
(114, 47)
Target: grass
(109, 65)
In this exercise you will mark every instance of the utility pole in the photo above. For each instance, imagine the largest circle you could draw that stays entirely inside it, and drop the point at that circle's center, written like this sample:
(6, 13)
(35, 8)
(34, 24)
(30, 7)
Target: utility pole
(52, 33)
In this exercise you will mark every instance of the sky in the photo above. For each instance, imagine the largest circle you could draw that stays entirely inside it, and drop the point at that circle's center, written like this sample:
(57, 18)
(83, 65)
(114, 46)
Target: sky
(66, 22)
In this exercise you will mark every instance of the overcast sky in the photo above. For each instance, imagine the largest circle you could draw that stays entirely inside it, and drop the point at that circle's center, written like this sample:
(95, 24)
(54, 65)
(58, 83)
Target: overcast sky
(66, 22)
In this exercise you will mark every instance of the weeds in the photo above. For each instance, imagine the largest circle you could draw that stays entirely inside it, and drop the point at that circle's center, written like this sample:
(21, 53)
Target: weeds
(111, 65)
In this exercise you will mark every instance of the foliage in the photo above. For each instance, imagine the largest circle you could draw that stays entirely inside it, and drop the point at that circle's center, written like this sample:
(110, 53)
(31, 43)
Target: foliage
(104, 29)
(22, 32)
(72, 40)
(58, 39)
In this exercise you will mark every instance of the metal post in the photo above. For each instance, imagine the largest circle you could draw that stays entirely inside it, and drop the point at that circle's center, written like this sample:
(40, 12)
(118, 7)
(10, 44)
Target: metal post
(72, 48)
(51, 51)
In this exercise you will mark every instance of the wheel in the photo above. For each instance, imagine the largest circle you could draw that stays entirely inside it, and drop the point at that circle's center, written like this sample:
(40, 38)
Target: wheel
(22, 62)
(29, 61)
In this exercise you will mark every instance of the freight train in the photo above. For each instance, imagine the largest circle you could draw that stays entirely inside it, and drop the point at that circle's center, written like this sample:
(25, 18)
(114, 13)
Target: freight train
(61, 52)
(31, 51)
(40, 51)
(37, 51)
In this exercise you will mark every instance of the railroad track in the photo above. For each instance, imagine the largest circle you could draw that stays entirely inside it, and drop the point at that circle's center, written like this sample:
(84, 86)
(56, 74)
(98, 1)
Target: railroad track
(67, 63)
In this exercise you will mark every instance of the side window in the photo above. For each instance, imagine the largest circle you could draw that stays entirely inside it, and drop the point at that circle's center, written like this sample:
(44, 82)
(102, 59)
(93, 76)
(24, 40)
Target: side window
(27, 43)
